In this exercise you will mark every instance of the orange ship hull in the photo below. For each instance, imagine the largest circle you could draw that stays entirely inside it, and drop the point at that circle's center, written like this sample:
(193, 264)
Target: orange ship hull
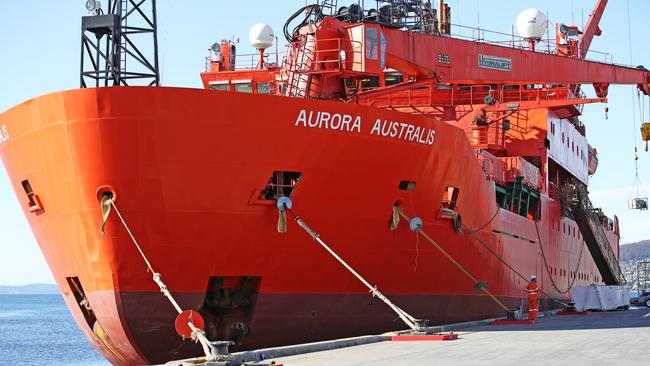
(187, 167)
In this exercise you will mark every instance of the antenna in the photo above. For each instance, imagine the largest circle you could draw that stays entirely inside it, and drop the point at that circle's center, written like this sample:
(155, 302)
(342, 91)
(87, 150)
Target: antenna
(126, 29)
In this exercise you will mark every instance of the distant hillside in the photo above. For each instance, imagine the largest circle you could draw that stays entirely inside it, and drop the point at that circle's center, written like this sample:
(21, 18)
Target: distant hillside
(635, 251)
(33, 289)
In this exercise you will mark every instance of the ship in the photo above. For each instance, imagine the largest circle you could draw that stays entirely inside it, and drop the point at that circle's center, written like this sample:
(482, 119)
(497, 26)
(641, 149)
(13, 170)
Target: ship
(378, 149)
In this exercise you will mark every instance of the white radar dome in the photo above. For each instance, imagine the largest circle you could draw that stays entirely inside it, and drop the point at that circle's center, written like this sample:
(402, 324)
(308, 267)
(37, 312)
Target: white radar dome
(531, 24)
(261, 36)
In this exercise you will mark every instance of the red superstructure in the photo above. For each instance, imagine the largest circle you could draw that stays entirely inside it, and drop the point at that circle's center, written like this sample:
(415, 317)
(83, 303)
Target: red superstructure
(360, 115)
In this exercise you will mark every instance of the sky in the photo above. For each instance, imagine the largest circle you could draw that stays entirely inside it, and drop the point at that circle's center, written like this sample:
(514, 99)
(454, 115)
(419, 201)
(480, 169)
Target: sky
(39, 53)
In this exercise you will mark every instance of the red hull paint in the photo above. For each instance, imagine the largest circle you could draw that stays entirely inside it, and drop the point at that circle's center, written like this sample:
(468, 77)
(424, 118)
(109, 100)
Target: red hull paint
(187, 164)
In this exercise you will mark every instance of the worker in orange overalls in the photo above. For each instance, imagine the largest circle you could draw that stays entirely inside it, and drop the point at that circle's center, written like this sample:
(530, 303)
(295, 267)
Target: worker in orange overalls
(532, 289)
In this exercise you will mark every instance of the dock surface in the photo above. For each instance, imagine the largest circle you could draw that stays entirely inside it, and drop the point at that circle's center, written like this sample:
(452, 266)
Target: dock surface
(601, 338)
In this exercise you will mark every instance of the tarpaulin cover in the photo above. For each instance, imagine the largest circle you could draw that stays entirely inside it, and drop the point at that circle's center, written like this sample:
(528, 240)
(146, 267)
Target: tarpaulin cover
(603, 298)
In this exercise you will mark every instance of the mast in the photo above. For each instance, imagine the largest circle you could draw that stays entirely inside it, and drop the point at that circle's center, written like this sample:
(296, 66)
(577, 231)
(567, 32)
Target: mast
(127, 30)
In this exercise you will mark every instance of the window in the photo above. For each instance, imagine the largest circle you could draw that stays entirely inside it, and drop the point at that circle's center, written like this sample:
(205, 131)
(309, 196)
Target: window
(222, 87)
(392, 78)
(29, 192)
(552, 128)
(265, 88)
(562, 137)
(244, 87)
(406, 185)
(372, 43)
(449, 197)
(383, 42)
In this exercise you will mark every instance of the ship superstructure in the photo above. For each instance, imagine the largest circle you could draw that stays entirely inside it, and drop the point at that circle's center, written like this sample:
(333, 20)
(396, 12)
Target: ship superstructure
(378, 115)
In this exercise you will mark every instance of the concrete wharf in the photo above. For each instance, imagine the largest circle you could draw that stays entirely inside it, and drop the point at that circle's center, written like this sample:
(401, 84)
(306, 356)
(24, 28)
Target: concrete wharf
(601, 338)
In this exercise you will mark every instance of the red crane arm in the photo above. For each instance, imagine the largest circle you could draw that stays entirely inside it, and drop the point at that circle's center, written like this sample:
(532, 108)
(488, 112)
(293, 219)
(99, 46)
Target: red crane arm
(457, 61)
(591, 28)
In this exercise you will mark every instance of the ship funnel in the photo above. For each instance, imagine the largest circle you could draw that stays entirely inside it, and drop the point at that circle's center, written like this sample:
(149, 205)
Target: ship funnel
(532, 24)
(261, 36)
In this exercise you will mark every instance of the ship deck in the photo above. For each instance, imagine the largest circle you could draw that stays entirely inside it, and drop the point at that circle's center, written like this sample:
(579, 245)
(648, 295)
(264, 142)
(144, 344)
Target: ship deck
(599, 338)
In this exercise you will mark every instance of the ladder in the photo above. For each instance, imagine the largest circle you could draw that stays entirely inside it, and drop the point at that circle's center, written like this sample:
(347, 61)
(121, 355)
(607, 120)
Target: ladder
(300, 77)
(592, 231)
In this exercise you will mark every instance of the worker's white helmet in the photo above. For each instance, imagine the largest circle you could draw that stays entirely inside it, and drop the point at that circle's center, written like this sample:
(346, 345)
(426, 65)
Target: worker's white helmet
(533, 277)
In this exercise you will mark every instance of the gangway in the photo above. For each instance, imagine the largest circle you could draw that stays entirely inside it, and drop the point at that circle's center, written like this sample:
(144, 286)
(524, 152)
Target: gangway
(576, 197)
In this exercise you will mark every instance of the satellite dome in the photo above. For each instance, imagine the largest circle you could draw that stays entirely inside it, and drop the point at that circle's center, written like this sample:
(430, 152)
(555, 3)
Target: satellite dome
(531, 24)
(261, 36)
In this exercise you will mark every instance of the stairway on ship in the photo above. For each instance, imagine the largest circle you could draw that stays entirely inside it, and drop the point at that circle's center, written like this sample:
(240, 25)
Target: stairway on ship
(576, 199)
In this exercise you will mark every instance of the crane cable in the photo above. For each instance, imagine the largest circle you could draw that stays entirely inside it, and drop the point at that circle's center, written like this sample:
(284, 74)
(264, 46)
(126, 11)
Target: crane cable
(637, 181)
(637, 186)
(198, 335)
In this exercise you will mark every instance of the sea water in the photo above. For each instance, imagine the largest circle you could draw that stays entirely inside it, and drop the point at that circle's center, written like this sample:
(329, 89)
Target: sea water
(39, 330)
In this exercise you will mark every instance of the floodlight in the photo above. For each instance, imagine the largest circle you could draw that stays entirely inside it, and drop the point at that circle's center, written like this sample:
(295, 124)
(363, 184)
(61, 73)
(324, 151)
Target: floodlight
(93, 6)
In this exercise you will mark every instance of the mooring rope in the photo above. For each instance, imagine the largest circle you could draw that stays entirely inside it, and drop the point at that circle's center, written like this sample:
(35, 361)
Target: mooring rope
(452, 260)
(409, 320)
(198, 335)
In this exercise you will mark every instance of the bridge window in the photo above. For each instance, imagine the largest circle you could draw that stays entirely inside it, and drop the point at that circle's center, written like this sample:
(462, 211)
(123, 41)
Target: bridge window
(219, 85)
(265, 88)
(372, 43)
(244, 87)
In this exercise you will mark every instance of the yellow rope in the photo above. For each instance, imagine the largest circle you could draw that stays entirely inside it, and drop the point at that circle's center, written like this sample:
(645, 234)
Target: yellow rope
(452, 260)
